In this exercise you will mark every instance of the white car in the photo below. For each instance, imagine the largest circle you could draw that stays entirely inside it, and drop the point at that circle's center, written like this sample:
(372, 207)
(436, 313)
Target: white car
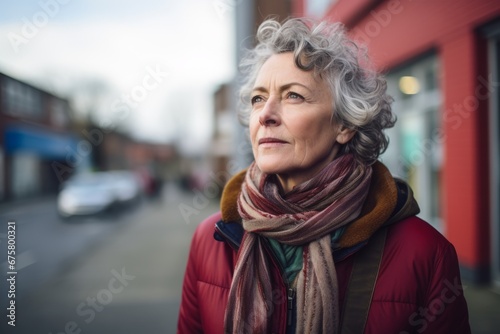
(125, 184)
(93, 193)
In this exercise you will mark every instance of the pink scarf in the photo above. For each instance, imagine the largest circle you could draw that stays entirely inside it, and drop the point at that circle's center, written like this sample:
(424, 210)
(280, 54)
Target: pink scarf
(305, 216)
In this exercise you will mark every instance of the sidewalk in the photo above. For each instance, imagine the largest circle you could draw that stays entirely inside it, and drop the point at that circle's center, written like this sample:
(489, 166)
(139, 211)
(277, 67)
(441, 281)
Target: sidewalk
(484, 308)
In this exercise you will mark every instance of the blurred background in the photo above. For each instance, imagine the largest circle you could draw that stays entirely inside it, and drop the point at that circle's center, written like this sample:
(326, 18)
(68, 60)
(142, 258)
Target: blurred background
(119, 128)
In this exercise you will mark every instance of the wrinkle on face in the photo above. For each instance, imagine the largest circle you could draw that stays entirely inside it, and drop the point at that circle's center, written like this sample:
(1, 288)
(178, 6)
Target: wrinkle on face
(306, 124)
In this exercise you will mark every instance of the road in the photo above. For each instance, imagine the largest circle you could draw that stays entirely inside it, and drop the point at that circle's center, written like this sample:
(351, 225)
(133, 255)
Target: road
(102, 275)
(44, 242)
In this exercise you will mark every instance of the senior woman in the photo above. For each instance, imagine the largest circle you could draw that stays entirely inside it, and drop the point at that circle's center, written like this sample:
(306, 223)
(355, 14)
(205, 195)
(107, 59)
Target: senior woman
(316, 236)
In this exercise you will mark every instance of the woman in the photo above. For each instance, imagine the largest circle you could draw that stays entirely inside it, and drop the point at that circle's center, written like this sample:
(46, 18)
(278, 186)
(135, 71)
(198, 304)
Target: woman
(300, 227)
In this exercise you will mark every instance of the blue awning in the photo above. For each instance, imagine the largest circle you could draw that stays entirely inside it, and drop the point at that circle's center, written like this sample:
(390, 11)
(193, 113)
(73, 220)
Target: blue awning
(39, 141)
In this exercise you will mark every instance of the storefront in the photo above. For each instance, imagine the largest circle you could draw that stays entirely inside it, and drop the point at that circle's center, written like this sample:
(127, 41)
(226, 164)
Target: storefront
(415, 152)
(29, 159)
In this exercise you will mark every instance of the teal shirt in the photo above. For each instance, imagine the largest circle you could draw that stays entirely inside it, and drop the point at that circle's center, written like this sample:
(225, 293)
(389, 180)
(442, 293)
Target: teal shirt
(290, 257)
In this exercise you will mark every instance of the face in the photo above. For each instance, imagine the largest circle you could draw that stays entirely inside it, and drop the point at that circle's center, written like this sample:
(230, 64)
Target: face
(291, 131)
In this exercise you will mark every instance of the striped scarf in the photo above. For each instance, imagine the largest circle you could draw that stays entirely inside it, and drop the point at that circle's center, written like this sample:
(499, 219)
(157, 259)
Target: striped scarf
(305, 216)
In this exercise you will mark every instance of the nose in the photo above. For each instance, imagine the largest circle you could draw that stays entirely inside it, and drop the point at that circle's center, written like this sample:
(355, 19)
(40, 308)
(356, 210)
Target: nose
(270, 114)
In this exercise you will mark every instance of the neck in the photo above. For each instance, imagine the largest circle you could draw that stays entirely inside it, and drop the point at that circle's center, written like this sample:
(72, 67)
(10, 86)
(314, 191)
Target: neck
(289, 180)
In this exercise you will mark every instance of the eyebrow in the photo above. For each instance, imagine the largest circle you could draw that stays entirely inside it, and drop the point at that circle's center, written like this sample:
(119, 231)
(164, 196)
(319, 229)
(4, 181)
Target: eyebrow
(282, 88)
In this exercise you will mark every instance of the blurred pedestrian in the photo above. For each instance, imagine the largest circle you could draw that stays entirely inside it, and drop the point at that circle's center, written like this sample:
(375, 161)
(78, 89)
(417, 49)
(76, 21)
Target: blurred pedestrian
(316, 236)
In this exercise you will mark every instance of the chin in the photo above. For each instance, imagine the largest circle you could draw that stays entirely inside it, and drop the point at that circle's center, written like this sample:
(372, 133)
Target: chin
(273, 167)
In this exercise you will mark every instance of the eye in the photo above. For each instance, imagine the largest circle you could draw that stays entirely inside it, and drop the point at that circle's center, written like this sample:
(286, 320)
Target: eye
(256, 99)
(295, 96)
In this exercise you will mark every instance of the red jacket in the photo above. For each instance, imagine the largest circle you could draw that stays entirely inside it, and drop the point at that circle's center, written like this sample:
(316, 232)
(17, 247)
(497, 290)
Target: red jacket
(418, 289)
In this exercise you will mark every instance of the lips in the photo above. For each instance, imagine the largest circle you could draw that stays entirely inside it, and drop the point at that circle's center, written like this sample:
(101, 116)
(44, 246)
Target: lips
(270, 140)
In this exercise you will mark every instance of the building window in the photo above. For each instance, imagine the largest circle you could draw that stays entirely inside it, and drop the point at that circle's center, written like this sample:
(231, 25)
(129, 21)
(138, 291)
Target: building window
(415, 152)
(492, 33)
(58, 113)
(317, 8)
(21, 100)
(495, 155)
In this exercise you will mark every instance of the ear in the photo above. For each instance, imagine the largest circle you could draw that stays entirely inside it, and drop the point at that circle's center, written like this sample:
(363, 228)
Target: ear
(345, 134)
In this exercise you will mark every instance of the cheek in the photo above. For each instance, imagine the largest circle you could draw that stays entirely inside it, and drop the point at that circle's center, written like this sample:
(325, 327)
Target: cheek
(253, 128)
(313, 135)
(303, 130)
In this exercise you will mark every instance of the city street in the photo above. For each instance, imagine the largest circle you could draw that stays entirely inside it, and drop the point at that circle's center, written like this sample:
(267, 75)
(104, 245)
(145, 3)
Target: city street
(103, 275)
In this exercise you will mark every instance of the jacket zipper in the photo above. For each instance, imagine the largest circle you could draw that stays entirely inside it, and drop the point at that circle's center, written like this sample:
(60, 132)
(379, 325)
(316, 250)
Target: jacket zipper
(289, 316)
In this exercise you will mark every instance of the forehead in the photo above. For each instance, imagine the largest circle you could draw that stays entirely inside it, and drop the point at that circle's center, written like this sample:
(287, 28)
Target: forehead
(281, 68)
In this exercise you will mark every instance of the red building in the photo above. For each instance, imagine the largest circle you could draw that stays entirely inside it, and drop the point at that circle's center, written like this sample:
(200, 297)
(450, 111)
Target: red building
(442, 65)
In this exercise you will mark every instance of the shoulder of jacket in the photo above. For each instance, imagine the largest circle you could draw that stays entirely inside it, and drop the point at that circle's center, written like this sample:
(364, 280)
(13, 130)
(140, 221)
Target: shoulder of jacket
(415, 237)
(208, 224)
(414, 227)
(205, 230)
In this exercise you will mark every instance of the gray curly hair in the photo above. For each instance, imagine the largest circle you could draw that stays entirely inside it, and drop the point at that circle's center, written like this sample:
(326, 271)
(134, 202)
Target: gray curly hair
(359, 94)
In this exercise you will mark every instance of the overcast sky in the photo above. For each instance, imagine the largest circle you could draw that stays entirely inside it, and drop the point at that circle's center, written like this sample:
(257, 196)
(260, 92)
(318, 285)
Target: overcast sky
(150, 65)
